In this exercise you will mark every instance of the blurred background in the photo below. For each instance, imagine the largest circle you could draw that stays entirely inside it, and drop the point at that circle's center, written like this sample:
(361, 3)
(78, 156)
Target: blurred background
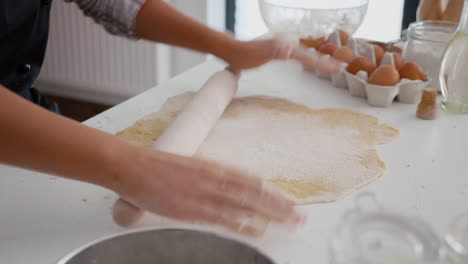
(86, 70)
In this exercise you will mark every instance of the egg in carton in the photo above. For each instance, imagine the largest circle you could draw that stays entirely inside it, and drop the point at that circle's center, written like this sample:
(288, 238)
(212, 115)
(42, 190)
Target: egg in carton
(359, 70)
(384, 83)
(395, 80)
(412, 84)
(346, 54)
(327, 47)
(336, 48)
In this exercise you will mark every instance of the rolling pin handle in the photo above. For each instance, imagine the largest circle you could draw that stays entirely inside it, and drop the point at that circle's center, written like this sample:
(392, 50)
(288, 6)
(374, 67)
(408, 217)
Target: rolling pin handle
(126, 214)
(236, 72)
(206, 107)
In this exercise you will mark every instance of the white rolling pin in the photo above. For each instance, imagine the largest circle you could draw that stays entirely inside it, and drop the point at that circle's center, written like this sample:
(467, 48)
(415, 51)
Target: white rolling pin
(188, 131)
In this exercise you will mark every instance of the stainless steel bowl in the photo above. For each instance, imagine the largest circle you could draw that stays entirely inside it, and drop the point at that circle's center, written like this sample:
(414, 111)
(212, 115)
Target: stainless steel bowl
(167, 246)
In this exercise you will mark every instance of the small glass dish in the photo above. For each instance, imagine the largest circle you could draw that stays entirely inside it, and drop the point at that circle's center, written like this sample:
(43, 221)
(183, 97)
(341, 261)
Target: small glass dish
(457, 239)
(370, 234)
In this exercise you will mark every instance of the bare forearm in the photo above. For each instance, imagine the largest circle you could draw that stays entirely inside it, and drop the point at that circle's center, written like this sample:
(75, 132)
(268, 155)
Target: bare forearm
(160, 22)
(36, 139)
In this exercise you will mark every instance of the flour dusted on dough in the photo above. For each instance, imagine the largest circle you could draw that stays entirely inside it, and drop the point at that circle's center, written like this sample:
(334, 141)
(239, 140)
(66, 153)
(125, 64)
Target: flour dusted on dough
(312, 155)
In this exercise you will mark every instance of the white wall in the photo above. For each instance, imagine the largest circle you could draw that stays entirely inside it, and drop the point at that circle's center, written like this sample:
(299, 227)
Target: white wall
(383, 20)
(85, 62)
(249, 23)
(211, 12)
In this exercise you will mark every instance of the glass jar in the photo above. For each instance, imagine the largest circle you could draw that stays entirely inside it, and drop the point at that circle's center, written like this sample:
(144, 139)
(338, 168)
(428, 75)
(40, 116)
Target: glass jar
(453, 76)
(426, 42)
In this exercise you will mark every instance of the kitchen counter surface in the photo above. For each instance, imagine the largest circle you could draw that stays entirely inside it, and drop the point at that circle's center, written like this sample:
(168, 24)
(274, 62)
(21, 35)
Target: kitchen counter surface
(43, 217)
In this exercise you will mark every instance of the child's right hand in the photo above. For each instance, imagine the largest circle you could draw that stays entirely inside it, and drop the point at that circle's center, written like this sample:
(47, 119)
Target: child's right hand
(242, 55)
(189, 189)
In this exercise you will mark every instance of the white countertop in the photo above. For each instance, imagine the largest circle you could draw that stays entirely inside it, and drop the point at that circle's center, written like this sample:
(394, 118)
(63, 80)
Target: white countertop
(43, 218)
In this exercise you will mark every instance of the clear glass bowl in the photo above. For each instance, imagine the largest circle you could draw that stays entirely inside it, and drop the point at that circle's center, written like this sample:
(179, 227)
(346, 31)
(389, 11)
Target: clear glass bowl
(303, 18)
(371, 234)
(457, 239)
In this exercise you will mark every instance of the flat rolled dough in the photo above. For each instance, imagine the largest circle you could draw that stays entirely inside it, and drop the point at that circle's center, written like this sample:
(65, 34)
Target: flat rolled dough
(313, 156)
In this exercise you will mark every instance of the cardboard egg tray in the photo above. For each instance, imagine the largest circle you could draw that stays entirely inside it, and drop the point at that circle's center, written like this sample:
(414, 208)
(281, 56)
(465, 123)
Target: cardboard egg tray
(406, 91)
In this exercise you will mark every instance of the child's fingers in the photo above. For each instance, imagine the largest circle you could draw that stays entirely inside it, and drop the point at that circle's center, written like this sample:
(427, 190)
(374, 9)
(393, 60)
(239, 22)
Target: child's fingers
(453, 11)
(431, 10)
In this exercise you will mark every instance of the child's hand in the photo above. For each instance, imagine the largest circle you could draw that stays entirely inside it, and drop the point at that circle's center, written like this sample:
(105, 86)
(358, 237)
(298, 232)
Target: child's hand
(251, 54)
(439, 10)
(242, 55)
(188, 189)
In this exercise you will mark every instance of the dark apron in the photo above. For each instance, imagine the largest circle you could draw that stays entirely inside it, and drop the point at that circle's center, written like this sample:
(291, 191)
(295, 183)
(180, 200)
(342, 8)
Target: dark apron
(24, 30)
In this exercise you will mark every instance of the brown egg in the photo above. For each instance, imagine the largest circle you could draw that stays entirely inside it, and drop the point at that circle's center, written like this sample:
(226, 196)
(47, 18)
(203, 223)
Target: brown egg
(385, 75)
(379, 54)
(361, 64)
(328, 48)
(344, 36)
(311, 42)
(412, 71)
(398, 60)
(344, 54)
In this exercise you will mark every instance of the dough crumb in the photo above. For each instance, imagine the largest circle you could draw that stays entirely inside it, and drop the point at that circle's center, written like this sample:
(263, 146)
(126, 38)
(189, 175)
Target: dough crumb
(108, 197)
(84, 200)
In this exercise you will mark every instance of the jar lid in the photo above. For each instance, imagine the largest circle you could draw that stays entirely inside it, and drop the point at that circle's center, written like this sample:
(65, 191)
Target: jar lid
(457, 238)
(435, 32)
(372, 235)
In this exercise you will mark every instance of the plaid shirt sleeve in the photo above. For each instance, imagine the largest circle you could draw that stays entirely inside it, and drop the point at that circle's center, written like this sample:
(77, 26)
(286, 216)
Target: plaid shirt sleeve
(117, 16)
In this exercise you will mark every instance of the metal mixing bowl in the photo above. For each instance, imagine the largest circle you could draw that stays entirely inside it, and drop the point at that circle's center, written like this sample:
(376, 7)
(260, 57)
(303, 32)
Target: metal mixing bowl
(167, 246)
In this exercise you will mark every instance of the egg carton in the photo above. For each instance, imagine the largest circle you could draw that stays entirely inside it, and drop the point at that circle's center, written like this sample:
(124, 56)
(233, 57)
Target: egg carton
(340, 80)
(406, 91)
